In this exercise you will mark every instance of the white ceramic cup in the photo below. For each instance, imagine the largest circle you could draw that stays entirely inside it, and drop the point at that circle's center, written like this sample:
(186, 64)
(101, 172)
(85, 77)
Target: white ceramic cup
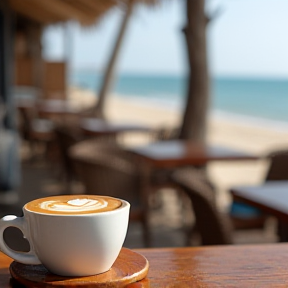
(70, 245)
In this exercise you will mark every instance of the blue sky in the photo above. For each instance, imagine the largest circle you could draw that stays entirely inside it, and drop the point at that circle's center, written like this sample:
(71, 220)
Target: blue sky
(248, 38)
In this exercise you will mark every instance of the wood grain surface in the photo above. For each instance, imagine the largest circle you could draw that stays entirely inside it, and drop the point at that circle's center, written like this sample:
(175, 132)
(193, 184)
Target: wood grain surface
(245, 266)
(128, 268)
(4, 271)
(271, 197)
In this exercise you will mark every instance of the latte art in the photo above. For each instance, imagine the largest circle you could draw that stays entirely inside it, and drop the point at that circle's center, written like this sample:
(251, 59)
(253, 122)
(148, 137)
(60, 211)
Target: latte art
(73, 204)
(82, 202)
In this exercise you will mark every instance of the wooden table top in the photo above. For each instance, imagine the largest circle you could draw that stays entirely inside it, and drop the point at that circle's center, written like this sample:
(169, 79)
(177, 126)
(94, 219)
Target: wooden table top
(243, 266)
(48, 107)
(25, 103)
(271, 197)
(180, 152)
(94, 126)
(55, 107)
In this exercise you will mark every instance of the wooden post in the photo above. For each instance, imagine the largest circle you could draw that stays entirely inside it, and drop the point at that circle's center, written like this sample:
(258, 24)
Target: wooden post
(195, 115)
(36, 55)
(7, 63)
(68, 50)
(109, 73)
(10, 162)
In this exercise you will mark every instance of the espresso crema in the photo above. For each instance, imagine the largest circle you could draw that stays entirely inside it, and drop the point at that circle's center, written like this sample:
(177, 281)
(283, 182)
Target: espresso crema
(73, 204)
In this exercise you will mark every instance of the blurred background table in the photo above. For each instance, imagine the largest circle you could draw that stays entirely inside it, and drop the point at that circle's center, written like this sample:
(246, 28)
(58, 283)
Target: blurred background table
(159, 159)
(55, 107)
(175, 153)
(172, 154)
(271, 197)
(99, 127)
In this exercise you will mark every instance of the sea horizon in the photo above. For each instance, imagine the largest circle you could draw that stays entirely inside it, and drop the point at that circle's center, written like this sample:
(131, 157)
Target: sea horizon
(252, 101)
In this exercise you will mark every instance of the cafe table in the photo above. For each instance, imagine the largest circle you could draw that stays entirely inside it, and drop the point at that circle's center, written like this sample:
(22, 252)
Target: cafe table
(271, 197)
(158, 159)
(245, 266)
(99, 127)
(171, 154)
(47, 108)
(56, 108)
(175, 153)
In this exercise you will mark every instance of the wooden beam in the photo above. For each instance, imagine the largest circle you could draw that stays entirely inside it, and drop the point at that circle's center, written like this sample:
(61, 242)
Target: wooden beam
(64, 10)
(92, 7)
(91, 13)
(100, 6)
(37, 13)
(84, 11)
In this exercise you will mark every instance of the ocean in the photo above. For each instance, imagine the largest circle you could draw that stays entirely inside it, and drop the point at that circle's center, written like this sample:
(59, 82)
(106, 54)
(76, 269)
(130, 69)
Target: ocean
(257, 101)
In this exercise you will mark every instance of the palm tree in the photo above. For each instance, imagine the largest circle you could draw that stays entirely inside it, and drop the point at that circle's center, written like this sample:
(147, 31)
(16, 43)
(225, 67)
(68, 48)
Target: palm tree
(98, 111)
(195, 115)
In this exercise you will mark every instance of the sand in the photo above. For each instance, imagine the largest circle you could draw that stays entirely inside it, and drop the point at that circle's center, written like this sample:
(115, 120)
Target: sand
(257, 139)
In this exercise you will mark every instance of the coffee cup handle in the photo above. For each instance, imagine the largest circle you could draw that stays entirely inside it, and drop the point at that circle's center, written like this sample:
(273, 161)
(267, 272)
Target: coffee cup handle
(20, 223)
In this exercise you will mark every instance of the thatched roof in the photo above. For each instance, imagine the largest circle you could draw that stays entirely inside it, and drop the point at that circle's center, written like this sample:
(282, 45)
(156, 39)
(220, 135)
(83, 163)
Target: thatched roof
(87, 12)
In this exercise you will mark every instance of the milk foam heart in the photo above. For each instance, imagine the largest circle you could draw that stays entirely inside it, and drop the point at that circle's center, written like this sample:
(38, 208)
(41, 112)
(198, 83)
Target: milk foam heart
(82, 202)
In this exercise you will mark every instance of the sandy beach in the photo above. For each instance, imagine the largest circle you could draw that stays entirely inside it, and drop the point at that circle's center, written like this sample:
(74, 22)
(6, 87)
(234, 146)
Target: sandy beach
(245, 136)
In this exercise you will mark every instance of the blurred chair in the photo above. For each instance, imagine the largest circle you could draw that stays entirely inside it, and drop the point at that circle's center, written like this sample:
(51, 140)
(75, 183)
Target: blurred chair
(278, 168)
(245, 216)
(34, 130)
(166, 133)
(213, 226)
(66, 137)
(9, 160)
(105, 169)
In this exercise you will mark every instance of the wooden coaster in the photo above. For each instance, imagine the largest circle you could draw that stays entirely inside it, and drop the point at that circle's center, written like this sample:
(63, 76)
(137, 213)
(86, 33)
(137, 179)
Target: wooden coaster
(128, 268)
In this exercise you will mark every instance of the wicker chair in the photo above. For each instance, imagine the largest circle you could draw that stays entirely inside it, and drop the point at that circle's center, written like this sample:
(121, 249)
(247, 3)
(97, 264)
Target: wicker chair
(214, 227)
(105, 169)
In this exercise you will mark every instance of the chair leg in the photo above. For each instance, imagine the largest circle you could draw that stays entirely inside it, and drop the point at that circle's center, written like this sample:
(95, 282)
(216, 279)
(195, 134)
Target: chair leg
(146, 231)
(190, 232)
(282, 231)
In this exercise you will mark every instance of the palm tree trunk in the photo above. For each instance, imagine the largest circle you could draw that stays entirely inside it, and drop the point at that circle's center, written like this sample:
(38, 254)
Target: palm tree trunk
(109, 73)
(195, 115)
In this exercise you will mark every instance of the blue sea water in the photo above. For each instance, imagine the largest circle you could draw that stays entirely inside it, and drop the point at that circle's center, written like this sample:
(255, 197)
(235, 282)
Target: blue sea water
(258, 99)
